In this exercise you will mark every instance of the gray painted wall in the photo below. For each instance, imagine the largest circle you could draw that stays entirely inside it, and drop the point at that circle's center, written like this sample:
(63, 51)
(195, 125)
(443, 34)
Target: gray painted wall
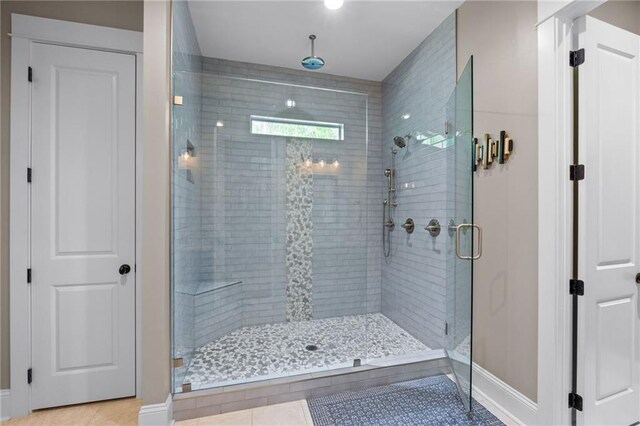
(623, 14)
(505, 98)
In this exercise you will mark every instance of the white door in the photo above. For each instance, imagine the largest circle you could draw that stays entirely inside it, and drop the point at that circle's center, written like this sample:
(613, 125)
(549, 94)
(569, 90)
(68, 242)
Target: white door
(609, 346)
(83, 225)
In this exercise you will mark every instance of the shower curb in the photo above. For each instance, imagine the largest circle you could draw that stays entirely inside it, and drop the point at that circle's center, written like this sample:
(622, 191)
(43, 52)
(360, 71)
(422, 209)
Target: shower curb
(275, 391)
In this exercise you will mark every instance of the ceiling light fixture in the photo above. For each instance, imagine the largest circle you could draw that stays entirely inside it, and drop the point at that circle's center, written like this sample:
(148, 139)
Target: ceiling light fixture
(333, 4)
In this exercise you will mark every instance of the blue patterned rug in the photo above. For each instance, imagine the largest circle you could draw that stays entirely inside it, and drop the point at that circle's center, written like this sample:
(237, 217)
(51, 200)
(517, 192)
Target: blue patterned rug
(429, 401)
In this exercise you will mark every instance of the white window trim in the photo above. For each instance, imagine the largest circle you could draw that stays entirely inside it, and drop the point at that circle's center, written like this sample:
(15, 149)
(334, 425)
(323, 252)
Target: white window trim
(25, 31)
(555, 41)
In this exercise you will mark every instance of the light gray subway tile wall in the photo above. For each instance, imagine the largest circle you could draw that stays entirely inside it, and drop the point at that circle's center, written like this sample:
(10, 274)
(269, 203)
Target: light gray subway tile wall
(245, 204)
(217, 310)
(415, 94)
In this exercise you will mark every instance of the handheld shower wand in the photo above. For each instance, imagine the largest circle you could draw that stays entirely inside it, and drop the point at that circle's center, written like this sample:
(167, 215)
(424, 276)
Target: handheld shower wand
(387, 220)
(390, 174)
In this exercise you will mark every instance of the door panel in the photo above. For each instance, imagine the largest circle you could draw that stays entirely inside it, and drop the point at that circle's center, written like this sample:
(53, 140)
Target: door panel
(614, 350)
(615, 155)
(85, 150)
(83, 225)
(459, 258)
(609, 347)
(84, 342)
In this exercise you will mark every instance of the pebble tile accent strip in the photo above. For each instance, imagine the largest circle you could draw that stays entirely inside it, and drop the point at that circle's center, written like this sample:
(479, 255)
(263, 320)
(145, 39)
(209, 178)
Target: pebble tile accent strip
(299, 230)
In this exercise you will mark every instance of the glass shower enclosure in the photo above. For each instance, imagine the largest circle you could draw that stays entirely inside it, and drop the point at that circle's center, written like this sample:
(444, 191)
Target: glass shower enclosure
(274, 233)
(269, 230)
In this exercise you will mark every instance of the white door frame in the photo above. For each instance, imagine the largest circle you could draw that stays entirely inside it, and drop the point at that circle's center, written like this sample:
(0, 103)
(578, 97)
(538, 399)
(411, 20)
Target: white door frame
(25, 31)
(555, 142)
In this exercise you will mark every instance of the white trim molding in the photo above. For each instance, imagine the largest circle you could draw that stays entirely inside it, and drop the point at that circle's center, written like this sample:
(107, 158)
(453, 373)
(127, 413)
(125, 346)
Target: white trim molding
(26, 31)
(554, 210)
(504, 397)
(5, 405)
(54, 31)
(555, 142)
(157, 414)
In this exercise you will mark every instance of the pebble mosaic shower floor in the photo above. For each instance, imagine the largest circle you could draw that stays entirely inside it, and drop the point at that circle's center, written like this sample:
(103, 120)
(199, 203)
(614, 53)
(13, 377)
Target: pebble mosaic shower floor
(277, 350)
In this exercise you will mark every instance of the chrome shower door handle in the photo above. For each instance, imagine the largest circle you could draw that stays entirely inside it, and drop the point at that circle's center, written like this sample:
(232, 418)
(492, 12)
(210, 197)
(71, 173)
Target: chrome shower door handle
(458, 249)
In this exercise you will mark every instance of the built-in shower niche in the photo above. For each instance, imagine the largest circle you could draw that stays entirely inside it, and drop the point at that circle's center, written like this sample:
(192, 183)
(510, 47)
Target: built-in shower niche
(187, 161)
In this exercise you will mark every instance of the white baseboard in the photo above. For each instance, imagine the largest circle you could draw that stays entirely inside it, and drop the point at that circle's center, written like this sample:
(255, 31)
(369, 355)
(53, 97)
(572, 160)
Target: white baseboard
(517, 406)
(157, 414)
(5, 404)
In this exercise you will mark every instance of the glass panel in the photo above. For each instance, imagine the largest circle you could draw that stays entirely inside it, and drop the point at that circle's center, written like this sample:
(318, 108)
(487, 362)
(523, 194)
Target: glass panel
(460, 271)
(269, 231)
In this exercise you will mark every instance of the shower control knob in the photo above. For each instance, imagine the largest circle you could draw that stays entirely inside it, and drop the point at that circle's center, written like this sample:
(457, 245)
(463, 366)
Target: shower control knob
(124, 269)
(433, 227)
(409, 226)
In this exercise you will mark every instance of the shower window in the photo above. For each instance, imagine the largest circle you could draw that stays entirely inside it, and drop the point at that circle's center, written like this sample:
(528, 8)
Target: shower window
(293, 128)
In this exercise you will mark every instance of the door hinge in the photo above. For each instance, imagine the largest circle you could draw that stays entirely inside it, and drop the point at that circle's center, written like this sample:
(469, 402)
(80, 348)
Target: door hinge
(30, 74)
(29, 376)
(446, 328)
(576, 287)
(576, 172)
(29, 174)
(576, 57)
(575, 401)
(29, 275)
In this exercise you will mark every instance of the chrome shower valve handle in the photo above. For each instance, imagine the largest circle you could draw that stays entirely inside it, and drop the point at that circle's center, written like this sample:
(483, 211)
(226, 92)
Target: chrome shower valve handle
(433, 227)
(409, 226)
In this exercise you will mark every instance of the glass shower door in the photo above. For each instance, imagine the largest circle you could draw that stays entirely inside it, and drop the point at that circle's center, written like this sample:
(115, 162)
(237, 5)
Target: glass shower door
(462, 249)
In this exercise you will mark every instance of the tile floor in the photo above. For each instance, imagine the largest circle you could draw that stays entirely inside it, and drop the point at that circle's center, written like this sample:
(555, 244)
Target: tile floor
(125, 412)
(276, 350)
(297, 414)
(294, 413)
(118, 412)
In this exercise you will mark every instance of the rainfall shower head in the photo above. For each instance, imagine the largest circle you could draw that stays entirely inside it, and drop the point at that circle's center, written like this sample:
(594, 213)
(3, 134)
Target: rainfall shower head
(313, 62)
(401, 141)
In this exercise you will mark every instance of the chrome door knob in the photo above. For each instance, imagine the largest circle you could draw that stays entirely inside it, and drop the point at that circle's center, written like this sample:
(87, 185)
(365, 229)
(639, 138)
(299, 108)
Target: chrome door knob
(638, 278)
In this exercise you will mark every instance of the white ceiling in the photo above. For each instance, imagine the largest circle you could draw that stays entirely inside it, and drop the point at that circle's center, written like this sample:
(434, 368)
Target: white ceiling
(363, 39)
